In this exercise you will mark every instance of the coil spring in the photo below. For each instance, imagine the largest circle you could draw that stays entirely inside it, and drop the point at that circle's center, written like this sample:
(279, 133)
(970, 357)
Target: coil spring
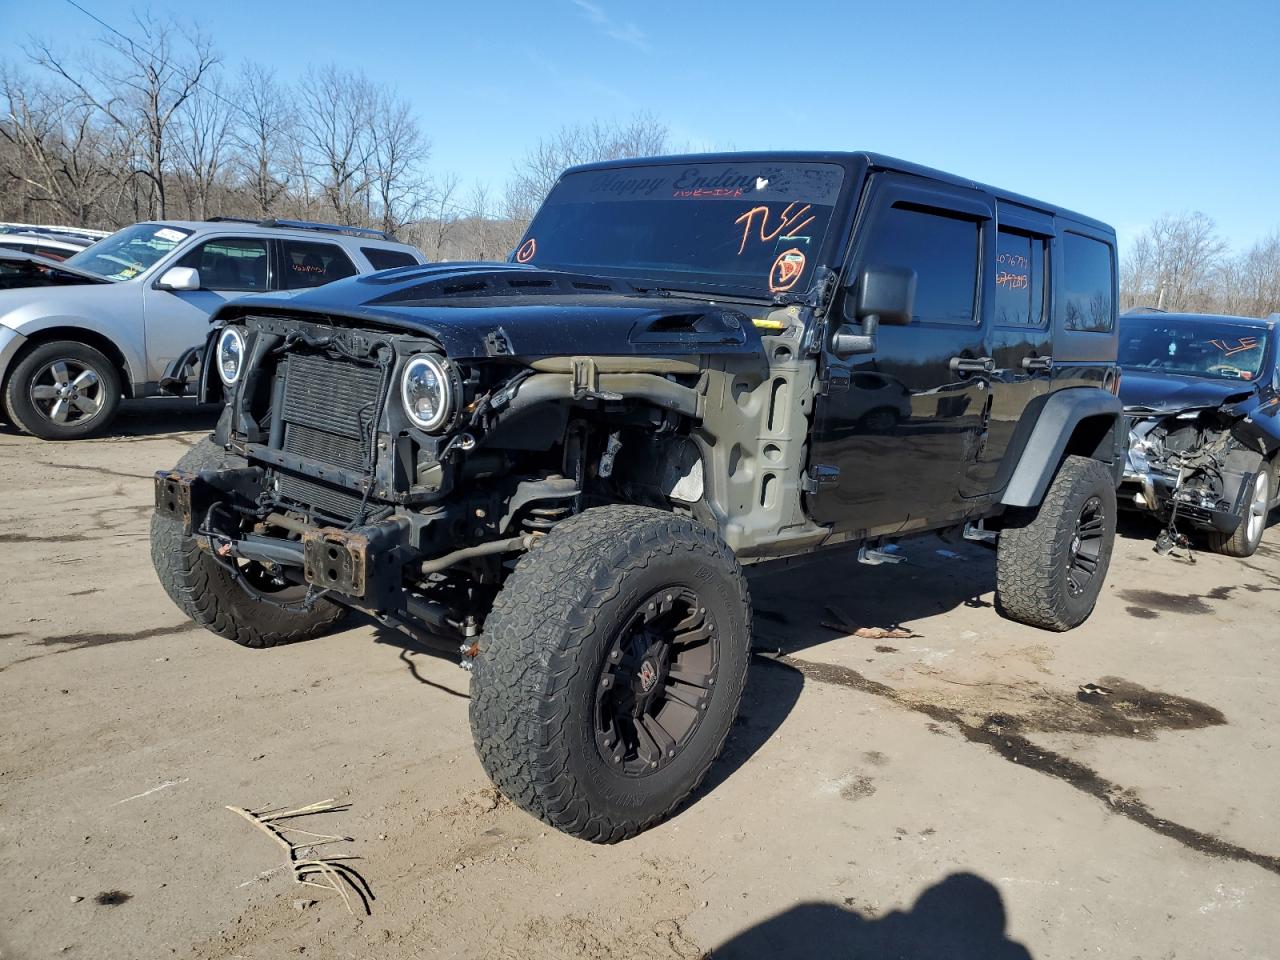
(542, 519)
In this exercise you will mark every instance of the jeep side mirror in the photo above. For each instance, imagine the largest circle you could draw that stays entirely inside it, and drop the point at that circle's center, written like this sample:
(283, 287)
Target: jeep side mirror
(179, 278)
(884, 295)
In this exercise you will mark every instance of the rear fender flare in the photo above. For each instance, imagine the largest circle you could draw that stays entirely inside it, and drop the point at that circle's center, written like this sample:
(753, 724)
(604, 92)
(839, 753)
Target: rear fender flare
(1051, 440)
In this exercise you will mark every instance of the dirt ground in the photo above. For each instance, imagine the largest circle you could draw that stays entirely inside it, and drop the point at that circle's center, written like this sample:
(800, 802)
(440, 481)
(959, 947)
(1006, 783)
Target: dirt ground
(951, 793)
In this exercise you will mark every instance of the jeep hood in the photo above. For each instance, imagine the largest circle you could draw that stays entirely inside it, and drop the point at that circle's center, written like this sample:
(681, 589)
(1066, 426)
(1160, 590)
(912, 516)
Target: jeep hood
(492, 309)
(1163, 393)
(19, 270)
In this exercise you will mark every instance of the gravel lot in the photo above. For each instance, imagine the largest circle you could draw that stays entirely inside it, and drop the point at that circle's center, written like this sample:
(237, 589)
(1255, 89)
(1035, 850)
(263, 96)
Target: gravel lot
(949, 793)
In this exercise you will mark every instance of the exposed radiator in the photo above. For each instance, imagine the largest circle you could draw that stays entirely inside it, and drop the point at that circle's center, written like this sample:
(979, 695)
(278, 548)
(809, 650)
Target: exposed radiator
(326, 402)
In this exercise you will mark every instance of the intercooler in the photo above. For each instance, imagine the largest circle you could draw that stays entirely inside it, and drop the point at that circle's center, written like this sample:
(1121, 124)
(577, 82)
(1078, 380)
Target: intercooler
(328, 411)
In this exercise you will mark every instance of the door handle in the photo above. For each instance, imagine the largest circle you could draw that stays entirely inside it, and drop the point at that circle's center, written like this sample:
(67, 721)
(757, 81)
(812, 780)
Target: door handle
(1032, 364)
(972, 364)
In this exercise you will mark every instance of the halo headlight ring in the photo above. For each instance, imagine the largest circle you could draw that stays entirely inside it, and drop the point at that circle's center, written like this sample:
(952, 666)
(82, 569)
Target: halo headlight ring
(229, 355)
(428, 389)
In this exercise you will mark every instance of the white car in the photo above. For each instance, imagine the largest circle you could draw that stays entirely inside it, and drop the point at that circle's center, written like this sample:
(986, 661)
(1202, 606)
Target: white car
(76, 337)
(52, 243)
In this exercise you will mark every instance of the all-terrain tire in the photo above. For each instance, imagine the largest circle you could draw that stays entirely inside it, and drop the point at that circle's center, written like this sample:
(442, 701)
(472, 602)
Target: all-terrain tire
(32, 369)
(208, 593)
(1038, 573)
(547, 640)
(1245, 540)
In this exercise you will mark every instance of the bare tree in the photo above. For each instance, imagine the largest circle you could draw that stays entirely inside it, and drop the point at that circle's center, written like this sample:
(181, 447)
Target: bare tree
(1173, 265)
(201, 145)
(262, 136)
(335, 119)
(60, 155)
(140, 87)
(641, 136)
(433, 232)
(399, 154)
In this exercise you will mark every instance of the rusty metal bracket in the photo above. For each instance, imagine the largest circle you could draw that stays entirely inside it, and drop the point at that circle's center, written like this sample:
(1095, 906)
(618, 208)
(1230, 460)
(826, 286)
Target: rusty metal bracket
(336, 560)
(173, 496)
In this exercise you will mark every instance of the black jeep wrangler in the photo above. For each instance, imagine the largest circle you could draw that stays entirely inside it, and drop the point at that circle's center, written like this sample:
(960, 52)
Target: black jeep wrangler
(690, 365)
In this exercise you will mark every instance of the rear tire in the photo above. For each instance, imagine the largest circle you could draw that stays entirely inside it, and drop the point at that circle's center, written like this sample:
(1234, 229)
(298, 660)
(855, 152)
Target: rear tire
(610, 670)
(1052, 559)
(1247, 536)
(63, 390)
(210, 595)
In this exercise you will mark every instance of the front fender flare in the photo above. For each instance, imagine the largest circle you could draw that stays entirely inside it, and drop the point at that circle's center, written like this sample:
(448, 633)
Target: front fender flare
(1048, 443)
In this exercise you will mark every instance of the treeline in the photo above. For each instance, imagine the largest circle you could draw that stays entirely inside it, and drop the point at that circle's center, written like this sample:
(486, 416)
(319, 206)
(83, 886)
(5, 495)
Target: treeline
(1181, 263)
(153, 123)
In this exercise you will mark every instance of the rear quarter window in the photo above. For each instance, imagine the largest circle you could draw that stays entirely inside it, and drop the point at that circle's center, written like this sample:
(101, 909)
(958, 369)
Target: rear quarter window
(313, 264)
(381, 259)
(1087, 282)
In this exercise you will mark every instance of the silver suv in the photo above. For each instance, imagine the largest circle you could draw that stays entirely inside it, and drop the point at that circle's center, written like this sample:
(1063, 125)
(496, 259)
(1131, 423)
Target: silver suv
(108, 323)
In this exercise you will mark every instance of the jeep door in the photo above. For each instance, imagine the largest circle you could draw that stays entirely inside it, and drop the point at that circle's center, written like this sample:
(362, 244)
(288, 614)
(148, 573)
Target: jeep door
(1018, 286)
(229, 267)
(900, 425)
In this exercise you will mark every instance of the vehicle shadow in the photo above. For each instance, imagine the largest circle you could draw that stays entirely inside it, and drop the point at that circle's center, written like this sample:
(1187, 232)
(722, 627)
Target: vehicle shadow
(412, 648)
(962, 917)
(158, 416)
(831, 595)
(149, 419)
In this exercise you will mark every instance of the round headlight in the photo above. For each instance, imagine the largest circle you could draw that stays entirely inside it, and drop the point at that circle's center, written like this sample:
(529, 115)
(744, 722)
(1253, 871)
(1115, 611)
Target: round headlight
(426, 392)
(229, 354)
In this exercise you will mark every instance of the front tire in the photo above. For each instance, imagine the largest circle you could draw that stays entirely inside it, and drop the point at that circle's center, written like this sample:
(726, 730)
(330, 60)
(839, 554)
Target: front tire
(250, 608)
(63, 390)
(1247, 537)
(1052, 559)
(610, 670)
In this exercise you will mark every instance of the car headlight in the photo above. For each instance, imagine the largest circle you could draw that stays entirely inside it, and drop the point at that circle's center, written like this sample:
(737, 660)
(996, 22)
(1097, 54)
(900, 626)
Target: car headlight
(229, 354)
(426, 391)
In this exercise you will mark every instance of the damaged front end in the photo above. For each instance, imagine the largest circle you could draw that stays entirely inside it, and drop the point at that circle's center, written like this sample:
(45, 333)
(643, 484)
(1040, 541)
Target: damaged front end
(1195, 465)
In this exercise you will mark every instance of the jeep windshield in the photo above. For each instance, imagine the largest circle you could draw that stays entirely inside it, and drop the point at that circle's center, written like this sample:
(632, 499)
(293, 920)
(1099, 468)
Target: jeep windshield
(755, 227)
(129, 252)
(1222, 351)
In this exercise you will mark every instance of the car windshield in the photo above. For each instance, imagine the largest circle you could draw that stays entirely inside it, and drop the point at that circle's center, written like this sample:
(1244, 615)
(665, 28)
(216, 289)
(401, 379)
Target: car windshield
(753, 225)
(129, 252)
(1224, 351)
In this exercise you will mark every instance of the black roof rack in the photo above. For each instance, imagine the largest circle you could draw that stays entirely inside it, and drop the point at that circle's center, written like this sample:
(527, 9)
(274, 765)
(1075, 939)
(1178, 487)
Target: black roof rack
(326, 228)
(306, 225)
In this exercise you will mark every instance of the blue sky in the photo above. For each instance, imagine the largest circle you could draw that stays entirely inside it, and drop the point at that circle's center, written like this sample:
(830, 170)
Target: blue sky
(1122, 110)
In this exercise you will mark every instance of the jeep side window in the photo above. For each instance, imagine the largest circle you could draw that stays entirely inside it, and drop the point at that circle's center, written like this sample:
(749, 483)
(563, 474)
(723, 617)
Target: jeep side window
(230, 263)
(1086, 284)
(313, 264)
(943, 251)
(1020, 260)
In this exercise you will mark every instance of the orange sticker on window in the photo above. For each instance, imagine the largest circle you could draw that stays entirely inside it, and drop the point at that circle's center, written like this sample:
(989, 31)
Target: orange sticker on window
(786, 270)
(527, 250)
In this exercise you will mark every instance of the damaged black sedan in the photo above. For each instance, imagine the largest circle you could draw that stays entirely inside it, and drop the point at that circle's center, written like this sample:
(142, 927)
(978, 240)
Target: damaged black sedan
(1201, 394)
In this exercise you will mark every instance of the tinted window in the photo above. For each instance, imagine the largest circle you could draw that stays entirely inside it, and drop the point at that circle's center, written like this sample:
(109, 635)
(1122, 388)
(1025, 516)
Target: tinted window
(941, 249)
(381, 259)
(1019, 280)
(757, 225)
(313, 264)
(230, 263)
(1086, 285)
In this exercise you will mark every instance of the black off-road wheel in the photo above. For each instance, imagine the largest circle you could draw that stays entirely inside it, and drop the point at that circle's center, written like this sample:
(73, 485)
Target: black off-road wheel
(248, 603)
(1247, 537)
(1052, 559)
(610, 670)
(63, 390)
